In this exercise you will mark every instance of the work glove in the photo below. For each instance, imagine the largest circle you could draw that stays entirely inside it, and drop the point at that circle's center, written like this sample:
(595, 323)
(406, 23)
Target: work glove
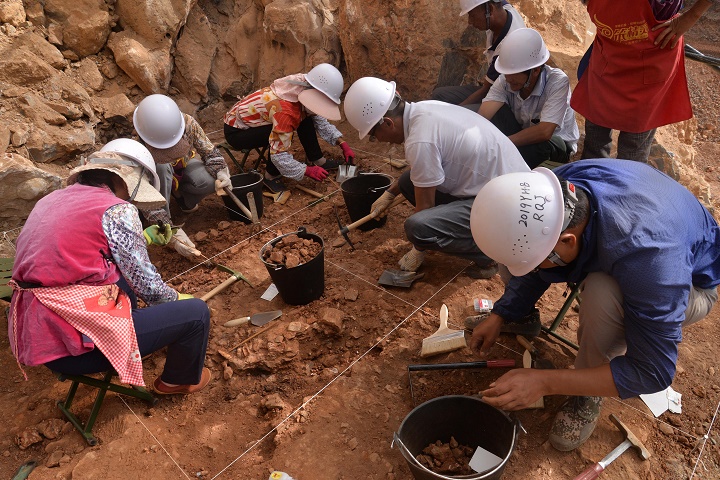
(316, 173)
(348, 153)
(182, 244)
(222, 181)
(184, 296)
(380, 205)
(156, 235)
(412, 260)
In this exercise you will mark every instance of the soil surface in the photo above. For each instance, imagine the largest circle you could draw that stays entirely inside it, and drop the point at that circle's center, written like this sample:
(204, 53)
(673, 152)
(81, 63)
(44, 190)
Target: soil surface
(321, 390)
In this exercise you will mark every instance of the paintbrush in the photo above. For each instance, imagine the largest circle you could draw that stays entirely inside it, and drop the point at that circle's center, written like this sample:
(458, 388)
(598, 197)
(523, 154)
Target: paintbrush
(445, 339)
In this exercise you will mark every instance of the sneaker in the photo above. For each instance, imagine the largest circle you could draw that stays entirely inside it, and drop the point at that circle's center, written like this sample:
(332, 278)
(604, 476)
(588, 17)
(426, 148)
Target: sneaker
(575, 422)
(274, 185)
(164, 389)
(529, 326)
(330, 164)
(184, 207)
(482, 272)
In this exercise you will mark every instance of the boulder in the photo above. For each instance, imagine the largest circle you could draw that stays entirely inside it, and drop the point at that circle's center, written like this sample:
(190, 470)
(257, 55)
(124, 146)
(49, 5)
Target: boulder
(20, 66)
(85, 24)
(149, 68)
(53, 143)
(37, 44)
(156, 21)
(21, 185)
(114, 107)
(12, 12)
(87, 73)
(193, 57)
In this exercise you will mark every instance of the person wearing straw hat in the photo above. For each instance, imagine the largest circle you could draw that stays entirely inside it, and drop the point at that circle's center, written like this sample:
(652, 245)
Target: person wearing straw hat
(81, 264)
(646, 254)
(530, 101)
(189, 166)
(452, 153)
(298, 104)
(497, 18)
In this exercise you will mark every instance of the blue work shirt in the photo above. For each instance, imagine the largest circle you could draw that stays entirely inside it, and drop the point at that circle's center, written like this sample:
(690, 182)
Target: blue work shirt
(657, 241)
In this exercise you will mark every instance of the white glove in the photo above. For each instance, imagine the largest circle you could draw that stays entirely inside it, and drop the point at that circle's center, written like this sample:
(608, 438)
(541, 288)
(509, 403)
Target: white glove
(411, 261)
(382, 203)
(182, 244)
(222, 181)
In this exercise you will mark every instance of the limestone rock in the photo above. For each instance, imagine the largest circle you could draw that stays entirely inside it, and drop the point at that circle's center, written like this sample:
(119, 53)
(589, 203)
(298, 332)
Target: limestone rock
(20, 66)
(51, 428)
(193, 57)
(55, 143)
(149, 68)
(53, 459)
(12, 12)
(29, 436)
(157, 21)
(85, 24)
(88, 74)
(35, 14)
(39, 45)
(22, 184)
(115, 107)
(331, 321)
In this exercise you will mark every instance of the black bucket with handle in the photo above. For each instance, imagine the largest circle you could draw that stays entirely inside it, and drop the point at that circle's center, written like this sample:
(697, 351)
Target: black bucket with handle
(361, 192)
(304, 283)
(469, 420)
(241, 185)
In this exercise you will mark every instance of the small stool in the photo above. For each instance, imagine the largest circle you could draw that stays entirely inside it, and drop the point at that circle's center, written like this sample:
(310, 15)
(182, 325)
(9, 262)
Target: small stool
(103, 386)
(573, 295)
(261, 152)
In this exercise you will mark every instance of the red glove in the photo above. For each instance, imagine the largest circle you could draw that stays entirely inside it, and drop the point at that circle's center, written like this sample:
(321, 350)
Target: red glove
(316, 173)
(349, 154)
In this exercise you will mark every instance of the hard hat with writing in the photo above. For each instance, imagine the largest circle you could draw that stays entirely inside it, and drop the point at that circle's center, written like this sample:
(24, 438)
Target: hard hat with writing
(467, 5)
(134, 151)
(516, 218)
(521, 50)
(366, 102)
(159, 121)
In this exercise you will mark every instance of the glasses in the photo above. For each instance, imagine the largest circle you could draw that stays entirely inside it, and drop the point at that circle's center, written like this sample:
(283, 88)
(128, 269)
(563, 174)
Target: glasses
(372, 131)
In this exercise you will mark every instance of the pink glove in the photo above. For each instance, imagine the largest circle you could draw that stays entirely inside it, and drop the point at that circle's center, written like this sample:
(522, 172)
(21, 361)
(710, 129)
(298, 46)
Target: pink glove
(349, 154)
(316, 173)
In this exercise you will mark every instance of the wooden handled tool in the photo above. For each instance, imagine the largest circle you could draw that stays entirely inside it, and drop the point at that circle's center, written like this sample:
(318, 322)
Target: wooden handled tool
(371, 216)
(239, 204)
(309, 191)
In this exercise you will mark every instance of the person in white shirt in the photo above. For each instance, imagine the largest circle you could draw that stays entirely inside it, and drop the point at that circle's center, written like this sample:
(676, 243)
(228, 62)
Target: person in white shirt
(452, 153)
(530, 102)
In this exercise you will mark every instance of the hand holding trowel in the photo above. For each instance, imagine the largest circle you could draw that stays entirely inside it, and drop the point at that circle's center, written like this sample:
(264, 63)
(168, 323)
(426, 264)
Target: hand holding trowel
(371, 216)
(258, 319)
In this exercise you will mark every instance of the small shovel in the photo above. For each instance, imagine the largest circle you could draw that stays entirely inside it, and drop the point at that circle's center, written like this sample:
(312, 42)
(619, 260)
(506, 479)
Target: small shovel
(258, 319)
(345, 172)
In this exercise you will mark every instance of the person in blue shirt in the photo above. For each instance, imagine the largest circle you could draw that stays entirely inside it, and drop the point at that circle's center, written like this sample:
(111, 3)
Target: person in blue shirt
(647, 254)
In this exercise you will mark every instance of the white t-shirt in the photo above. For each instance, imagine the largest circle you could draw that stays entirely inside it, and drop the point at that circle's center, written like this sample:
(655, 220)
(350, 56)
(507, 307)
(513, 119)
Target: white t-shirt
(455, 149)
(548, 102)
(490, 52)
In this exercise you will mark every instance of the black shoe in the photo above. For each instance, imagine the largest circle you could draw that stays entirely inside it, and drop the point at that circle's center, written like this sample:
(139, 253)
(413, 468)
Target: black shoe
(274, 185)
(330, 164)
(184, 207)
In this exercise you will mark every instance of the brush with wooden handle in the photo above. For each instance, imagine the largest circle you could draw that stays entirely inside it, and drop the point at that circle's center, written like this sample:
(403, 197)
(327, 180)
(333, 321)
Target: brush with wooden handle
(444, 339)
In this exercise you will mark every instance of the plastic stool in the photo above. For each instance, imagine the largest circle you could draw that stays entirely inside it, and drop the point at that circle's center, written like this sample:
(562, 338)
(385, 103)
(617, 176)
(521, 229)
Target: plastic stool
(261, 152)
(103, 386)
(550, 331)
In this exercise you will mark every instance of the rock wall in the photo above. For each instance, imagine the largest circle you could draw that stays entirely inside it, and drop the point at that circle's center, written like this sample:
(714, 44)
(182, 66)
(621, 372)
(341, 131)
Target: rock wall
(71, 71)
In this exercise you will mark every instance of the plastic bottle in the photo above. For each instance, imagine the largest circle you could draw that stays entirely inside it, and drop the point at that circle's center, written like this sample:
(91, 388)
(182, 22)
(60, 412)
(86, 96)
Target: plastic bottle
(280, 476)
(482, 305)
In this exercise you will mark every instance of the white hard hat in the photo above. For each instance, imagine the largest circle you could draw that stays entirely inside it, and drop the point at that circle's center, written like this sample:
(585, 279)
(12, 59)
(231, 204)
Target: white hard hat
(327, 79)
(159, 121)
(135, 151)
(520, 51)
(366, 102)
(516, 219)
(467, 5)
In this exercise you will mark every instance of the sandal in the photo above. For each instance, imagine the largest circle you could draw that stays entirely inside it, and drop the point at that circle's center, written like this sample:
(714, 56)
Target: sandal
(163, 389)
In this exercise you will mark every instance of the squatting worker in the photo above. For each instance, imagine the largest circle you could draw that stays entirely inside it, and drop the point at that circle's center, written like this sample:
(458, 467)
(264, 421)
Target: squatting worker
(452, 153)
(530, 101)
(635, 77)
(189, 166)
(497, 18)
(647, 254)
(299, 103)
(81, 263)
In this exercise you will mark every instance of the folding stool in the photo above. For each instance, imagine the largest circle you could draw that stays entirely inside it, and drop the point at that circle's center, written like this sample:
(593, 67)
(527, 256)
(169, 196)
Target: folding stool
(103, 386)
(550, 331)
(261, 152)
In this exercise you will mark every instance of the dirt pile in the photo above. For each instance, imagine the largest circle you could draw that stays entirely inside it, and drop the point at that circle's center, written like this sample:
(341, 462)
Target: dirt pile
(291, 251)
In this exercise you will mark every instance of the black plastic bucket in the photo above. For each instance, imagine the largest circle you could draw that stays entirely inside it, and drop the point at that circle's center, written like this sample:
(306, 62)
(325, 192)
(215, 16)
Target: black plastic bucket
(360, 192)
(241, 185)
(469, 420)
(302, 284)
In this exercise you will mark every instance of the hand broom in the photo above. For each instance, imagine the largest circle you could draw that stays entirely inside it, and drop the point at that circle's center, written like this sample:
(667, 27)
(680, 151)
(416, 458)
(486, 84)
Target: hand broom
(444, 339)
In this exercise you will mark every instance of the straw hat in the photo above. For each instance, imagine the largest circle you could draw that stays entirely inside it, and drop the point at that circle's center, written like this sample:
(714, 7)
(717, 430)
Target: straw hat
(146, 197)
(319, 103)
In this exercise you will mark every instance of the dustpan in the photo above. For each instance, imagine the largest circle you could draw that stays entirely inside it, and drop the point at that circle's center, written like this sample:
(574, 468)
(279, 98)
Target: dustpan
(345, 172)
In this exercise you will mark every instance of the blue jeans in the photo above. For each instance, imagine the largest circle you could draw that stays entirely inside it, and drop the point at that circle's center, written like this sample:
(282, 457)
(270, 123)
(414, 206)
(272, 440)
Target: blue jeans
(182, 326)
(444, 227)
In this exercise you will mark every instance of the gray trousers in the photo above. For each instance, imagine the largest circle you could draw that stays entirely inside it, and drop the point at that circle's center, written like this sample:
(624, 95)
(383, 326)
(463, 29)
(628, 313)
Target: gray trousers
(631, 146)
(196, 183)
(456, 95)
(444, 227)
(601, 334)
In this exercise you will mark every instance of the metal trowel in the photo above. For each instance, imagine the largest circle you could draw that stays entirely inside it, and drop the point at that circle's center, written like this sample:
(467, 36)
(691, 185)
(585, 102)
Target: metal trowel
(345, 172)
(258, 319)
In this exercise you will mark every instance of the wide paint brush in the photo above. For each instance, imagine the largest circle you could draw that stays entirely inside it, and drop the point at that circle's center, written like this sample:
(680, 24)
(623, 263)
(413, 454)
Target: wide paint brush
(445, 339)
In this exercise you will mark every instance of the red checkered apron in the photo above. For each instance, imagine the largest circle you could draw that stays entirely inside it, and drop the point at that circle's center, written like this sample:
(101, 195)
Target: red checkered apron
(104, 314)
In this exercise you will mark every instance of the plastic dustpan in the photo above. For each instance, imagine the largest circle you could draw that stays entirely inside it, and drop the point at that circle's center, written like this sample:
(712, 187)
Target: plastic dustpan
(399, 278)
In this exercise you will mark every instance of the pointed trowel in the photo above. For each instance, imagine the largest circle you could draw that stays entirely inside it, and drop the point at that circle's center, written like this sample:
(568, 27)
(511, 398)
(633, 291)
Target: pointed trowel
(258, 319)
